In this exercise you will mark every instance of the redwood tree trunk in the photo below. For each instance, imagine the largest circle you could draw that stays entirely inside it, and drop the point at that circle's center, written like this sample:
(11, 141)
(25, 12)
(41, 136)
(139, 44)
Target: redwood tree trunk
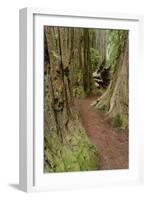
(59, 97)
(115, 99)
(63, 132)
(87, 74)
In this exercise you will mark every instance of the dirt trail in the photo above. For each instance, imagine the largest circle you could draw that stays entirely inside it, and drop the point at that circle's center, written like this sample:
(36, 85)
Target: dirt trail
(111, 143)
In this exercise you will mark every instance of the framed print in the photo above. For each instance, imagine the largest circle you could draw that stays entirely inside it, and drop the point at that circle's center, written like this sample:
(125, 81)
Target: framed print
(80, 87)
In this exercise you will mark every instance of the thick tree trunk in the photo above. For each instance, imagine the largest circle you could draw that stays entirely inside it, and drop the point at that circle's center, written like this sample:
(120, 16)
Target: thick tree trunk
(59, 95)
(66, 146)
(77, 62)
(115, 99)
(119, 98)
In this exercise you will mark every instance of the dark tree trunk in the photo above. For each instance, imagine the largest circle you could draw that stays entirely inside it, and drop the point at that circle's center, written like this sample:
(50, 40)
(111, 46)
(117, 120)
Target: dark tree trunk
(87, 74)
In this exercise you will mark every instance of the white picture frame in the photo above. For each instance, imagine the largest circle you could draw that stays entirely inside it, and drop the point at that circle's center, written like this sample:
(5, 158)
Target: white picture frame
(31, 103)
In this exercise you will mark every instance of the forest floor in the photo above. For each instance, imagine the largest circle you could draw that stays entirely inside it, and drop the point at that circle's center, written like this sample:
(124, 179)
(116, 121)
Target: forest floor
(111, 143)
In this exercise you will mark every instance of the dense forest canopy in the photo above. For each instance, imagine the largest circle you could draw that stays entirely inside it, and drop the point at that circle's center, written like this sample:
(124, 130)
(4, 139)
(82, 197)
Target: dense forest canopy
(80, 62)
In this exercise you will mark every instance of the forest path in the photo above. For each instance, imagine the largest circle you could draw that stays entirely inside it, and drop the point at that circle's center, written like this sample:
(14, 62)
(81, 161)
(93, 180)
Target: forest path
(111, 143)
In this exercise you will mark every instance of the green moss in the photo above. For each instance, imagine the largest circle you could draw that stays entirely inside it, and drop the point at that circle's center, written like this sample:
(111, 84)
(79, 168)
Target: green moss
(69, 159)
(87, 160)
(77, 153)
(59, 164)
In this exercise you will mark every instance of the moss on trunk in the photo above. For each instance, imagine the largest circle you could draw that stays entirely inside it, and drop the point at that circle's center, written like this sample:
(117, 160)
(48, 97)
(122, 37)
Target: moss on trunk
(66, 146)
(77, 153)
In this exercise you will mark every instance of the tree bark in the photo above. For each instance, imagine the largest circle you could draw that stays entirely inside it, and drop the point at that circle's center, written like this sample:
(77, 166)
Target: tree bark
(100, 43)
(87, 67)
(63, 132)
(58, 79)
(115, 99)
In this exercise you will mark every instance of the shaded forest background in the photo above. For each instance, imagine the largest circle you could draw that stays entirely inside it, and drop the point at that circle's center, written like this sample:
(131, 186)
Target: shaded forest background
(71, 56)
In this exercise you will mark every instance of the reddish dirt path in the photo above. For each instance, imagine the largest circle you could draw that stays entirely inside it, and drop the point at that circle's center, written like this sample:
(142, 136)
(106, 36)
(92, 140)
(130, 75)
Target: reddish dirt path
(111, 143)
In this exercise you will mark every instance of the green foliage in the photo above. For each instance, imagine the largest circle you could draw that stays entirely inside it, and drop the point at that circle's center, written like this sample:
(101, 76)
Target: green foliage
(117, 121)
(115, 44)
(78, 91)
(94, 57)
(120, 121)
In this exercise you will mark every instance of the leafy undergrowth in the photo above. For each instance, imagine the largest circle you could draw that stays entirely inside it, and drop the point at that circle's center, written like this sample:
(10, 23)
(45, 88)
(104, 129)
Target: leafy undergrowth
(76, 153)
(117, 121)
(120, 121)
